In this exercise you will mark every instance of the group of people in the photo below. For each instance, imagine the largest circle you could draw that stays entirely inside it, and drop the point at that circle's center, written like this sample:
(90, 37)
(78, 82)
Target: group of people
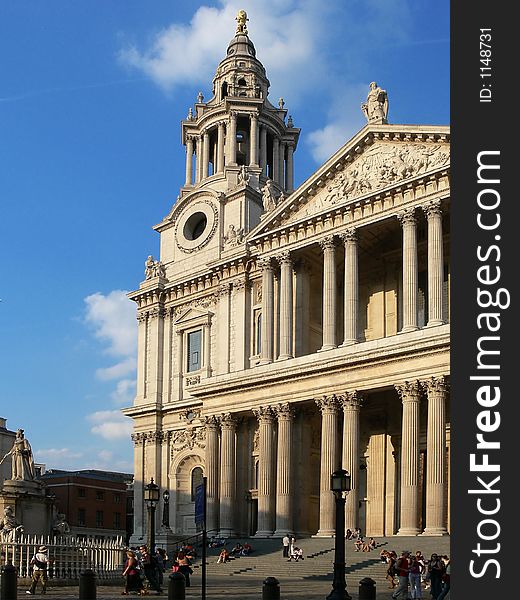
(412, 573)
(237, 550)
(360, 544)
(290, 550)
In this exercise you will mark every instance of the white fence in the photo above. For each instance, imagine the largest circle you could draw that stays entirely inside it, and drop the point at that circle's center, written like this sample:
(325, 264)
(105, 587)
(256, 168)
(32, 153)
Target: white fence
(68, 555)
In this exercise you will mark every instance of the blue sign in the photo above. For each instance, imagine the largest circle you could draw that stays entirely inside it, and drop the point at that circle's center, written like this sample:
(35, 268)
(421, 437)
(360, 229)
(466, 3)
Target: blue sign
(200, 516)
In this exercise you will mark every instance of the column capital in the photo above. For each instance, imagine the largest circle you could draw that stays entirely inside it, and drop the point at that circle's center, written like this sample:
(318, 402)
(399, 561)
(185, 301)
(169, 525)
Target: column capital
(351, 400)
(350, 236)
(409, 391)
(223, 290)
(190, 137)
(211, 422)
(284, 257)
(138, 438)
(327, 243)
(228, 421)
(284, 412)
(264, 414)
(254, 115)
(432, 208)
(265, 263)
(435, 385)
(407, 216)
(233, 114)
(241, 284)
(327, 404)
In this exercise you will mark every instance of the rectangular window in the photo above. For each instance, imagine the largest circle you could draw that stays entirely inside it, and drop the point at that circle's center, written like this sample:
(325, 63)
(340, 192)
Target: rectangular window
(194, 350)
(117, 520)
(100, 495)
(82, 493)
(117, 498)
(99, 518)
(81, 517)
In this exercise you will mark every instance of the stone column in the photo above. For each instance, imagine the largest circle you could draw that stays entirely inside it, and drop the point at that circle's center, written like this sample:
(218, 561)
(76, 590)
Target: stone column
(198, 158)
(263, 149)
(284, 466)
(220, 148)
(212, 472)
(142, 352)
(253, 138)
(205, 155)
(410, 269)
(409, 393)
(329, 408)
(189, 160)
(139, 474)
(281, 170)
(232, 138)
(435, 262)
(276, 159)
(267, 311)
(228, 424)
(329, 293)
(155, 349)
(266, 462)
(436, 390)
(286, 306)
(178, 376)
(351, 403)
(351, 288)
(289, 172)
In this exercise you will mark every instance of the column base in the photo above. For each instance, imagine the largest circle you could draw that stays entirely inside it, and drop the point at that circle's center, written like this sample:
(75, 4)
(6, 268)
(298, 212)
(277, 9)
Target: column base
(325, 533)
(263, 534)
(435, 531)
(408, 329)
(327, 347)
(265, 361)
(226, 533)
(280, 533)
(284, 357)
(409, 531)
(348, 343)
(435, 323)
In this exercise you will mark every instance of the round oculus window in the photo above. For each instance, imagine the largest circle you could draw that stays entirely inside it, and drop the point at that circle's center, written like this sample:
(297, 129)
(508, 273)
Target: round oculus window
(195, 226)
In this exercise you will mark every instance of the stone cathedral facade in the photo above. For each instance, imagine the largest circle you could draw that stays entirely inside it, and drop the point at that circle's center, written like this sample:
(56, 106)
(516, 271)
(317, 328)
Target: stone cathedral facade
(286, 332)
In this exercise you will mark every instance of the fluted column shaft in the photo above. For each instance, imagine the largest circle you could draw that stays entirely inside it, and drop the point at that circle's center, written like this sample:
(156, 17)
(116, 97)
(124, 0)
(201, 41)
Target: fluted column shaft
(351, 289)
(232, 138)
(410, 269)
(211, 472)
(329, 293)
(198, 159)
(329, 408)
(253, 136)
(435, 263)
(284, 463)
(205, 155)
(266, 462)
(351, 402)
(276, 159)
(286, 306)
(189, 161)
(281, 169)
(263, 149)
(267, 312)
(410, 397)
(289, 169)
(436, 390)
(220, 148)
(228, 426)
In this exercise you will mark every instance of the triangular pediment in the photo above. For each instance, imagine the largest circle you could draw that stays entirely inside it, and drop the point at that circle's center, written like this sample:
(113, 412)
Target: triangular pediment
(192, 316)
(376, 159)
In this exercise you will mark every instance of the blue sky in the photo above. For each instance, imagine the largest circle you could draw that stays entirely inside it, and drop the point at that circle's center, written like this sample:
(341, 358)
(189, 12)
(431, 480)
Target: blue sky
(91, 96)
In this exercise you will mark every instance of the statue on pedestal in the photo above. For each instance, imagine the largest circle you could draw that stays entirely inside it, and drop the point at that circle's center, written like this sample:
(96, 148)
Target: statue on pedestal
(9, 527)
(61, 527)
(376, 106)
(22, 465)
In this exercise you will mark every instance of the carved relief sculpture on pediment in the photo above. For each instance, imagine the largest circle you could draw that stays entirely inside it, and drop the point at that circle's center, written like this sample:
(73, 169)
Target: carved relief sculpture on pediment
(382, 165)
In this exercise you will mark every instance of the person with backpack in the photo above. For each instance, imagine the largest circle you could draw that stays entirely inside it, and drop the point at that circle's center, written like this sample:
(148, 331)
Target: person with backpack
(39, 562)
(402, 569)
(151, 569)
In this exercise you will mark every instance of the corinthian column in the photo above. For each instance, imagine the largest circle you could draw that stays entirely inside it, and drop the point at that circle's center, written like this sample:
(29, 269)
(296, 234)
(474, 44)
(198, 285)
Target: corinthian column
(329, 293)
(189, 161)
(263, 149)
(232, 138)
(329, 408)
(435, 262)
(410, 397)
(228, 425)
(436, 456)
(266, 471)
(267, 311)
(351, 288)
(220, 147)
(284, 521)
(281, 171)
(286, 306)
(205, 155)
(212, 468)
(289, 170)
(351, 402)
(409, 223)
(276, 159)
(253, 137)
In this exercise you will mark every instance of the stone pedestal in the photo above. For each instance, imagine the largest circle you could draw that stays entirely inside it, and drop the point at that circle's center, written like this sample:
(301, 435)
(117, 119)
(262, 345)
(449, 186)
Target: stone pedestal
(31, 506)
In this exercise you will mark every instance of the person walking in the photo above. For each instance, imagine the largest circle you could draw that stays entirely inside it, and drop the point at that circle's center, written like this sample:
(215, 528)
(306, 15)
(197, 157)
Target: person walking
(133, 581)
(402, 568)
(151, 570)
(435, 571)
(414, 575)
(445, 578)
(39, 562)
(286, 541)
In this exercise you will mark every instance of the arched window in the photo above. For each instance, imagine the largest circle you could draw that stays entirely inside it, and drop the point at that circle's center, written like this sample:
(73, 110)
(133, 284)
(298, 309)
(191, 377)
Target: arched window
(196, 480)
(224, 90)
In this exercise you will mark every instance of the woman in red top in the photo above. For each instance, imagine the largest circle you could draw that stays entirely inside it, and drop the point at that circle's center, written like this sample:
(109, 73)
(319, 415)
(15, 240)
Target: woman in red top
(134, 582)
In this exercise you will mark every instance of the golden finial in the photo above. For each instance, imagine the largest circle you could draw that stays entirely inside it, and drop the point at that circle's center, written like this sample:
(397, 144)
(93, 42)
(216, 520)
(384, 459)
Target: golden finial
(241, 19)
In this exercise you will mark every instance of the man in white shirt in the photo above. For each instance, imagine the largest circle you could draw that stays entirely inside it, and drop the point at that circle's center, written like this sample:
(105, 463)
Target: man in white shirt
(39, 564)
(286, 541)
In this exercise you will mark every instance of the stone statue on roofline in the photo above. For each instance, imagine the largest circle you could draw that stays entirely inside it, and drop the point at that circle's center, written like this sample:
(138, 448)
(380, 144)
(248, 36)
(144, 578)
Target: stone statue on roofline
(241, 20)
(268, 196)
(154, 268)
(375, 108)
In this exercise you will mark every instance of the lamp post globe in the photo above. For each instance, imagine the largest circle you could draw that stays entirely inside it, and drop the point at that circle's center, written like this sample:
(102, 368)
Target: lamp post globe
(151, 498)
(339, 486)
(166, 508)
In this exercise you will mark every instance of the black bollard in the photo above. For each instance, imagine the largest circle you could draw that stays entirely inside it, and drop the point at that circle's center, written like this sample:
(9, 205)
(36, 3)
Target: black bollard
(8, 580)
(87, 585)
(367, 589)
(271, 589)
(177, 587)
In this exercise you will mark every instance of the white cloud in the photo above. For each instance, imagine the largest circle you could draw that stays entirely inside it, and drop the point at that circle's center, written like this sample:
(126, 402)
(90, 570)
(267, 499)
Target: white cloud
(125, 367)
(57, 458)
(124, 393)
(110, 424)
(113, 319)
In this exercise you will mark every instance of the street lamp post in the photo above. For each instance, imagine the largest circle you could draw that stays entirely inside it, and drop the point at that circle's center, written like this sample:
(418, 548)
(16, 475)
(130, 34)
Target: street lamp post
(339, 485)
(166, 509)
(151, 497)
